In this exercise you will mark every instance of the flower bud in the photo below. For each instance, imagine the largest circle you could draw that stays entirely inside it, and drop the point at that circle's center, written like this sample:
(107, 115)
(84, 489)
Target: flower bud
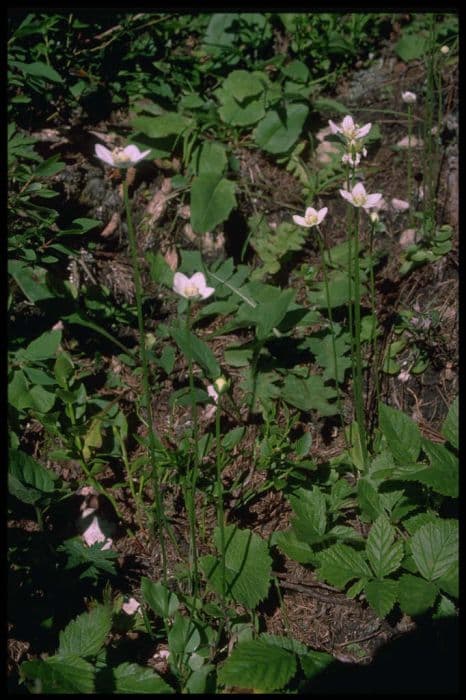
(445, 49)
(374, 217)
(221, 385)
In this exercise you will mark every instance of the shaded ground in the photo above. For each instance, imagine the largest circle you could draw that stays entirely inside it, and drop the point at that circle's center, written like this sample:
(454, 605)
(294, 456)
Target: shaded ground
(309, 611)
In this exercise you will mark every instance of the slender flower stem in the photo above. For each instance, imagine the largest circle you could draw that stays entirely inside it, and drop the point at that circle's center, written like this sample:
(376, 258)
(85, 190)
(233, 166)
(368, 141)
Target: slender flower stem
(357, 380)
(349, 224)
(334, 347)
(193, 475)
(375, 358)
(220, 515)
(145, 381)
(410, 163)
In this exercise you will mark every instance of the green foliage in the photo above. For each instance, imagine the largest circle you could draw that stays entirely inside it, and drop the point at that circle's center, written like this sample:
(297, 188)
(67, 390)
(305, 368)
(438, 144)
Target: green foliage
(247, 564)
(85, 635)
(91, 561)
(162, 601)
(258, 665)
(212, 199)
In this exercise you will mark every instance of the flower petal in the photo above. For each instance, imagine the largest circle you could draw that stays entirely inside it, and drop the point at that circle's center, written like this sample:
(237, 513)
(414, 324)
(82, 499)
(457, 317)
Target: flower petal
(104, 154)
(372, 200)
(180, 283)
(347, 124)
(206, 292)
(364, 130)
(300, 221)
(321, 214)
(134, 154)
(347, 195)
(333, 127)
(358, 190)
(198, 280)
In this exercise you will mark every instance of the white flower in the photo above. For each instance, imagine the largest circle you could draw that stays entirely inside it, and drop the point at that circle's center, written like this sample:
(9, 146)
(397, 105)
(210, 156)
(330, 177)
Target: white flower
(404, 375)
(408, 97)
(192, 287)
(349, 129)
(445, 49)
(399, 204)
(311, 217)
(358, 197)
(120, 157)
(131, 606)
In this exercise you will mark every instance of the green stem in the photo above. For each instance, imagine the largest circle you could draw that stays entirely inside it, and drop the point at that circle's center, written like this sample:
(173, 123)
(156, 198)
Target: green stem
(357, 380)
(193, 475)
(145, 380)
(220, 515)
(374, 316)
(332, 330)
(410, 164)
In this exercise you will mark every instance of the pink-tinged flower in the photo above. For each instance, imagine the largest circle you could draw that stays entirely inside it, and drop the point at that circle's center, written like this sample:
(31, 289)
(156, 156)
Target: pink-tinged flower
(131, 606)
(194, 287)
(358, 197)
(349, 129)
(399, 204)
(408, 98)
(120, 157)
(212, 393)
(445, 50)
(311, 217)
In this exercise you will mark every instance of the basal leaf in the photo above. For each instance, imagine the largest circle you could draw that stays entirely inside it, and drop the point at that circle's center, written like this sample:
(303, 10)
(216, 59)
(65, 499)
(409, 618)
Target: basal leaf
(434, 548)
(85, 636)
(198, 351)
(279, 130)
(383, 553)
(311, 511)
(29, 472)
(293, 547)
(258, 665)
(162, 601)
(369, 499)
(247, 566)
(44, 347)
(442, 475)
(415, 594)
(212, 199)
(381, 595)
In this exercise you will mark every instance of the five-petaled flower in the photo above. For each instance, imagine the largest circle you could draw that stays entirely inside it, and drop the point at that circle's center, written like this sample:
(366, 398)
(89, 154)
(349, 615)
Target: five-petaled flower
(311, 217)
(408, 97)
(349, 129)
(194, 287)
(120, 157)
(358, 197)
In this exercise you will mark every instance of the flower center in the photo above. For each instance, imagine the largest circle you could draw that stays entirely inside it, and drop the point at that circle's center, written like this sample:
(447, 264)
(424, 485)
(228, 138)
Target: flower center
(191, 290)
(119, 156)
(359, 199)
(312, 220)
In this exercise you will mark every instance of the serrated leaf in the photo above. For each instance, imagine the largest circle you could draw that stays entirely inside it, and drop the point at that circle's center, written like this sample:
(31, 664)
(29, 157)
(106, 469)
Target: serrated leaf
(314, 662)
(93, 560)
(322, 347)
(339, 564)
(212, 199)
(415, 594)
(445, 608)
(381, 595)
(85, 636)
(293, 547)
(287, 643)
(450, 427)
(258, 665)
(413, 523)
(368, 499)
(131, 678)
(383, 553)
(434, 548)
(247, 566)
(442, 476)
(311, 510)
(309, 394)
(401, 433)
(449, 582)
(57, 674)
(162, 601)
